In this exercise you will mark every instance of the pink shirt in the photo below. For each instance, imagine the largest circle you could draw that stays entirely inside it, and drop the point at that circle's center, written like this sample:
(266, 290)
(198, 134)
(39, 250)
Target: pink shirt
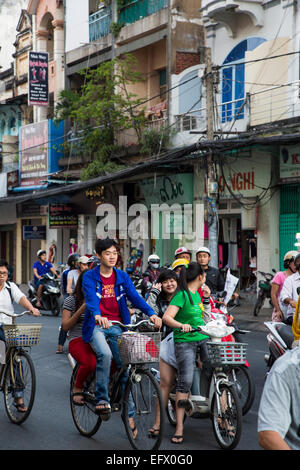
(279, 279)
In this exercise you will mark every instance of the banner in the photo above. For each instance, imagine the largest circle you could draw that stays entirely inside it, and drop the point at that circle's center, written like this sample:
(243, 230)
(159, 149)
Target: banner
(62, 216)
(38, 78)
(34, 154)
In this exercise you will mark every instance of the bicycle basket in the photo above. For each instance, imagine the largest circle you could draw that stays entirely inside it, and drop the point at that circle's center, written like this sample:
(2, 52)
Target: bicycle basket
(139, 347)
(226, 353)
(22, 335)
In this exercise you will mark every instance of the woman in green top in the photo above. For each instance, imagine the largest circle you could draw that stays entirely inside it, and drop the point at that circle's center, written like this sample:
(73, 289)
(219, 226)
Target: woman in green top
(186, 311)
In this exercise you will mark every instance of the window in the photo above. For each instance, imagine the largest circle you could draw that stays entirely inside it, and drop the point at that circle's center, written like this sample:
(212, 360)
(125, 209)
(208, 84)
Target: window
(233, 79)
(163, 84)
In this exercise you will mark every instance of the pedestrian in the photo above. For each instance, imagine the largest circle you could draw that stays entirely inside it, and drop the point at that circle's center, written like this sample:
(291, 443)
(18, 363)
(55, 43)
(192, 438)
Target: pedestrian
(214, 277)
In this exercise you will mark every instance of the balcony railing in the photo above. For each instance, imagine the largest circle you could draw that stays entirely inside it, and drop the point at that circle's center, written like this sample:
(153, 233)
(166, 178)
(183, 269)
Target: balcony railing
(99, 23)
(138, 9)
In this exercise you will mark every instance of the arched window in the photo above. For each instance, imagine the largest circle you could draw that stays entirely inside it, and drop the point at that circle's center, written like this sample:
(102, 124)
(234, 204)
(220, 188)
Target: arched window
(233, 79)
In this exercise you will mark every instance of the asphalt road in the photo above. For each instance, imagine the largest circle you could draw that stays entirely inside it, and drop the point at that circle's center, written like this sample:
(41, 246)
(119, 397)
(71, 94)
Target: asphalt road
(50, 425)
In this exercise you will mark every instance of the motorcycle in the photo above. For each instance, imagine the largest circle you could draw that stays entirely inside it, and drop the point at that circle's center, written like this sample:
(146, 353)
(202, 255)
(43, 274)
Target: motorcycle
(280, 338)
(50, 298)
(264, 291)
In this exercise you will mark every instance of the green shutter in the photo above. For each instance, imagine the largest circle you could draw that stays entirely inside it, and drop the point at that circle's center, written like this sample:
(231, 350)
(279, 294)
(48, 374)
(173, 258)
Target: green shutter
(289, 218)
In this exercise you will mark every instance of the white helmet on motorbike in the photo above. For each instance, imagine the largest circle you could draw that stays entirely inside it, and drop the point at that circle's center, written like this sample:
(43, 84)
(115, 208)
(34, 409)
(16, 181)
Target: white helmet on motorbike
(154, 261)
(203, 249)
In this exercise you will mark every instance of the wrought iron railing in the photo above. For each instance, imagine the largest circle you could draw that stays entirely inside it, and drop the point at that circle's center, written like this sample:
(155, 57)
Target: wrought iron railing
(99, 23)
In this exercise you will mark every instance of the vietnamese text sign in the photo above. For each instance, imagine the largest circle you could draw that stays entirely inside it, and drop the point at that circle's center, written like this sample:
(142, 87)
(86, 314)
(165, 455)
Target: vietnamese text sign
(38, 77)
(62, 216)
(34, 153)
(34, 232)
(290, 162)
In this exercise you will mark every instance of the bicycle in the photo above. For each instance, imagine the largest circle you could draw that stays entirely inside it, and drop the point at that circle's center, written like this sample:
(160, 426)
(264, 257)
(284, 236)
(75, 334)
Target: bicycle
(136, 350)
(222, 403)
(17, 374)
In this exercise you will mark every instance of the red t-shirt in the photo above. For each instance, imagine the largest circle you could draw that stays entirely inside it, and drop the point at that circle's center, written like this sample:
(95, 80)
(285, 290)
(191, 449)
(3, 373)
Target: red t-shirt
(109, 307)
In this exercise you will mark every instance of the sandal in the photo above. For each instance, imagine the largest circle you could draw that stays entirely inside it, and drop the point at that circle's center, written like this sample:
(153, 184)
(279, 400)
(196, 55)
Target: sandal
(177, 436)
(134, 430)
(59, 351)
(20, 407)
(153, 432)
(79, 402)
(104, 410)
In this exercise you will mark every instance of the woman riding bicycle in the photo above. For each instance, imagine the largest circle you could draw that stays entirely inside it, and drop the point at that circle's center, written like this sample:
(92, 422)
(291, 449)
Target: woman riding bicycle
(186, 311)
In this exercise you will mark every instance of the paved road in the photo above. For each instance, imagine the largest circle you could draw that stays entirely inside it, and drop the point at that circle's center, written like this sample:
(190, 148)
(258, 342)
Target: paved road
(50, 425)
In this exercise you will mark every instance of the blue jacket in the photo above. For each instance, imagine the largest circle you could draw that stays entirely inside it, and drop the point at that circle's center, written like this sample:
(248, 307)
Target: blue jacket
(124, 289)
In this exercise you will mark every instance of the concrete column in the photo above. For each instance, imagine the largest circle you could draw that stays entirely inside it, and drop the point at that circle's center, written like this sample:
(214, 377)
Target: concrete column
(81, 234)
(19, 251)
(59, 48)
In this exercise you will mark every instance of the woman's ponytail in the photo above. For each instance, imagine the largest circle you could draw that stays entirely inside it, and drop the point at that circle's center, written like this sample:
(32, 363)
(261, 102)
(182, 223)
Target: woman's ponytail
(189, 274)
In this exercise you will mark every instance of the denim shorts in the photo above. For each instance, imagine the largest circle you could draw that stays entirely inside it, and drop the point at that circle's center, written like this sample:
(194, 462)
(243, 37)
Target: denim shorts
(185, 358)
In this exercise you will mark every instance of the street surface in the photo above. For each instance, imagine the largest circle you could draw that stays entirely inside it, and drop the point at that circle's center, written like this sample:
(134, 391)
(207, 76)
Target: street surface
(50, 425)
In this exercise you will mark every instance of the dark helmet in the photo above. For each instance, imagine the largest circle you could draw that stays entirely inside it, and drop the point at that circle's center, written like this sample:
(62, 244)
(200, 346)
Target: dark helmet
(73, 260)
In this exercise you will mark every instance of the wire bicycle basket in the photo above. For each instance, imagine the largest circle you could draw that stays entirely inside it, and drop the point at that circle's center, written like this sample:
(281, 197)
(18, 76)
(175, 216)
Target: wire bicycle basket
(22, 335)
(226, 353)
(136, 348)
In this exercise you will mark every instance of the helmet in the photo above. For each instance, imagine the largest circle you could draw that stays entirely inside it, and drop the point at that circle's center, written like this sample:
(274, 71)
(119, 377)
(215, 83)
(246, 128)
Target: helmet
(153, 258)
(179, 262)
(180, 250)
(73, 259)
(203, 249)
(40, 253)
(290, 255)
(297, 258)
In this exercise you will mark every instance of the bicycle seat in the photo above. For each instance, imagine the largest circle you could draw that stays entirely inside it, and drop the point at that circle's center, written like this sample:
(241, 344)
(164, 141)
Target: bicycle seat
(286, 333)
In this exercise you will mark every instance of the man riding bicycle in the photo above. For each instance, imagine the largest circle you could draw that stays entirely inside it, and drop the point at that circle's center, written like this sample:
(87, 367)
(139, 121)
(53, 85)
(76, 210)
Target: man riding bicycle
(106, 290)
(9, 293)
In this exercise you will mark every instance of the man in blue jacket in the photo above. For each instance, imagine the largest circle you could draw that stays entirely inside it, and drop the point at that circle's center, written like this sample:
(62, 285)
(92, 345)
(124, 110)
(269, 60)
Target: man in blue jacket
(106, 290)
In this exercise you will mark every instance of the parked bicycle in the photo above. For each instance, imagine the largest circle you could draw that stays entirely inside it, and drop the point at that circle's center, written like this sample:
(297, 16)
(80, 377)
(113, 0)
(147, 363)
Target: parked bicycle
(223, 403)
(138, 350)
(17, 374)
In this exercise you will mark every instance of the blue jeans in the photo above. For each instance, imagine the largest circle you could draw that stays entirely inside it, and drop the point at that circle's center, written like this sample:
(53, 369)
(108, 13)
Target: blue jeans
(17, 393)
(104, 343)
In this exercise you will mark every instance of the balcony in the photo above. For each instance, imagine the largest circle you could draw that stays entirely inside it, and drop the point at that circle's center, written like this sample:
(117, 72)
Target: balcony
(137, 9)
(99, 23)
(227, 12)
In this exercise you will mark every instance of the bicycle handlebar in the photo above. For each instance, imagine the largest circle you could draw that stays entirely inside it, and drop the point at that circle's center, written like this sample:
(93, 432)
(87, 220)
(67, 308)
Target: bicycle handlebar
(15, 315)
(130, 325)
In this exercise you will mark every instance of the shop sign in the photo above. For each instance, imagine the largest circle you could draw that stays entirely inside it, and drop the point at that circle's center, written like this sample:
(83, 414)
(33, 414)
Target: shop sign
(169, 189)
(33, 153)
(34, 232)
(290, 162)
(38, 78)
(62, 216)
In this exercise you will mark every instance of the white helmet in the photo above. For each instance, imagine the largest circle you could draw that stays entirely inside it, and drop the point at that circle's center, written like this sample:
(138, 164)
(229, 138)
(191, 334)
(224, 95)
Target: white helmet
(290, 255)
(40, 252)
(203, 249)
(153, 258)
(181, 250)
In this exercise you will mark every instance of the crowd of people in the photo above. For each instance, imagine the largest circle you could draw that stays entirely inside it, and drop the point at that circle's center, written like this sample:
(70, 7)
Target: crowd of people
(175, 299)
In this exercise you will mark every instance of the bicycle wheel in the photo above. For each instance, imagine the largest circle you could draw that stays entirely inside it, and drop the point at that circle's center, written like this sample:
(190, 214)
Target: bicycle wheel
(227, 417)
(19, 381)
(85, 419)
(143, 389)
(245, 386)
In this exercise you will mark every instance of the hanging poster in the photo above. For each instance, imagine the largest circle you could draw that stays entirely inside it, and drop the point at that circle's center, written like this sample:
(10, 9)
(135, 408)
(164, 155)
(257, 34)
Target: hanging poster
(38, 77)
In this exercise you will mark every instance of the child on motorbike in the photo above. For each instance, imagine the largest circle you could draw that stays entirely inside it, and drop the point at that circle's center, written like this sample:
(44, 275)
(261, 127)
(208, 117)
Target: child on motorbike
(186, 311)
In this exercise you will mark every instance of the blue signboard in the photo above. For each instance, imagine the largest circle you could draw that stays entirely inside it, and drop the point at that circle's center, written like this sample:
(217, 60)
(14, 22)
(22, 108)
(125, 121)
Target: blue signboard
(34, 232)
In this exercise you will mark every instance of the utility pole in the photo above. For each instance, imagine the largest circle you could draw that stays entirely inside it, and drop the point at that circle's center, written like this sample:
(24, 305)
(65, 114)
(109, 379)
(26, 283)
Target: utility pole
(212, 184)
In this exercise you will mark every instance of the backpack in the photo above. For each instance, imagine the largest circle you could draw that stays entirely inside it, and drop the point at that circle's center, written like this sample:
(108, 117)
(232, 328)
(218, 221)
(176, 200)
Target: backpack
(8, 287)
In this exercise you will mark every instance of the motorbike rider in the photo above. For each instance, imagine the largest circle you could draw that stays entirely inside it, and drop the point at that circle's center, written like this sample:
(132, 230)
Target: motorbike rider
(289, 294)
(178, 263)
(277, 284)
(151, 274)
(40, 268)
(183, 253)
(214, 278)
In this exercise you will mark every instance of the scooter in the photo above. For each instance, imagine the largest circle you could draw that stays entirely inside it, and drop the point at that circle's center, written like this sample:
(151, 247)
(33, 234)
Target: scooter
(264, 291)
(280, 338)
(50, 298)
